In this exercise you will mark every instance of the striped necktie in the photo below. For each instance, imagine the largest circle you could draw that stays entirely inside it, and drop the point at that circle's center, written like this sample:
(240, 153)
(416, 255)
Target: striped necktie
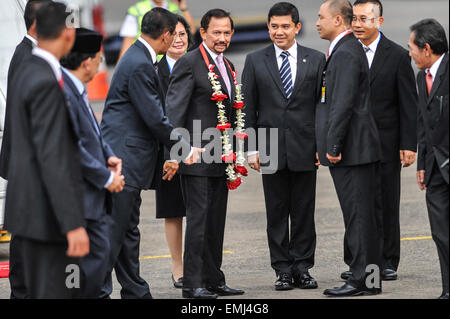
(286, 75)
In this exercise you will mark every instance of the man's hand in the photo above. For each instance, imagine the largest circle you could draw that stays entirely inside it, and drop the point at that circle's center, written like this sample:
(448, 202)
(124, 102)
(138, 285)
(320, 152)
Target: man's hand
(253, 162)
(317, 160)
(195, 155)
(334, 159)
(421, 179)
(407, 158)
(117, 184)
(115, 165)
(169, 170)
(78, 243)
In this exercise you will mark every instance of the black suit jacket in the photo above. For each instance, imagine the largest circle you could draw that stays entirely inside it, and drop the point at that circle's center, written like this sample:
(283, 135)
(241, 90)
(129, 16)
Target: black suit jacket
(164, 75)
(433, 123)
(268, 107)
(394, 99)
(94, 153)
(344, 123)
(44, 192)
(134, 123)
(189, 100)
(22, 52)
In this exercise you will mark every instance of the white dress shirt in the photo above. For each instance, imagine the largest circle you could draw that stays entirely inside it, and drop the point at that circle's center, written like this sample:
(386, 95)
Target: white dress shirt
(171, 62)
(435, 67)
(371, 49)
(292, 59)
(82, 89)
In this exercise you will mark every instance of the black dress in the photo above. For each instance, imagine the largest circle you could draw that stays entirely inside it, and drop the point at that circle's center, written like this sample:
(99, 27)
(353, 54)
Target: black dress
(169, 199)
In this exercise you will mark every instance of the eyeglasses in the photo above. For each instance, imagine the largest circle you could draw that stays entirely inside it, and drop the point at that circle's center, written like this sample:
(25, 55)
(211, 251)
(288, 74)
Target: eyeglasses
(364, 20)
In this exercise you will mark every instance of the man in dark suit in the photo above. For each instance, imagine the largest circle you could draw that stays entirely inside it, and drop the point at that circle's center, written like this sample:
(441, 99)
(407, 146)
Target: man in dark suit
(348, 142)
(21, 54)
(43, 207)
(134, 125)
(283, 94)
(101, 168)
(394, 105)
(204, 184)
(429, 49)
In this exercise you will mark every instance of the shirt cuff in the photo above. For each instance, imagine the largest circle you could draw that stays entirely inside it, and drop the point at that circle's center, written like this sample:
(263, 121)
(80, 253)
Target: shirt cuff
(110, 180)
(186, 159)
(251, 153)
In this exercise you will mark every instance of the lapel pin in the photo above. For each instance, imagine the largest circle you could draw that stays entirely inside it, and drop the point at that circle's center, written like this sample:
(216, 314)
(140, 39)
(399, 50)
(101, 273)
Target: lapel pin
(304, 60)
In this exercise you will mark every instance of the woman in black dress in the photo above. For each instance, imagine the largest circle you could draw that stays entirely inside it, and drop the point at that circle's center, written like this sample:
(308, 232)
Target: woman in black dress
(169, 200)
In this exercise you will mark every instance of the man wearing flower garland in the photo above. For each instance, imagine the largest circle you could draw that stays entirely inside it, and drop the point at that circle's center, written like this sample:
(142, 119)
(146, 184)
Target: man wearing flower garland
(203, 89)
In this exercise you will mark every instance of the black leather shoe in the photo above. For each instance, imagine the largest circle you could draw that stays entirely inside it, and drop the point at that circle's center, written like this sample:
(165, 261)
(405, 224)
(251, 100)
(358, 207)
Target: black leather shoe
(305, 281)
(284, 282)
(388, 275)
(444, 296)
(348, 290)
(177, 283)
(346, 274)
(224, 290)
(198, 293)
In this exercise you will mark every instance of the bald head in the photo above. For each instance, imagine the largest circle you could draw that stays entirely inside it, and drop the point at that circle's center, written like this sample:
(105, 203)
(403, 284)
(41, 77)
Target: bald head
(341, 8)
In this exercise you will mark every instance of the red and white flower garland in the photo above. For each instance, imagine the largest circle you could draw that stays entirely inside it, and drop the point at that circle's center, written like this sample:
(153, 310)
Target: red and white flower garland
(235, 169)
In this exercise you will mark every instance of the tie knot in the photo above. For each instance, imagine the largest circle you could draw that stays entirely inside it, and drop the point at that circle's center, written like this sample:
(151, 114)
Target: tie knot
(366, 48)
(220, 59)
(285, 54)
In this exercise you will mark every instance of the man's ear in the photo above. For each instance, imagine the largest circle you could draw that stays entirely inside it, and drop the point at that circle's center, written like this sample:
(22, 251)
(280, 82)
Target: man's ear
(428, 50)
(32, 30)
(202, 33)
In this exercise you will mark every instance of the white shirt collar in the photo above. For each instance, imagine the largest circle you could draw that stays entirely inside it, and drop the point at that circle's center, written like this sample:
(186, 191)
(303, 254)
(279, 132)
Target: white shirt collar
(435, 67)
(292, 50)
(211, 53)
(78, 84)
(33, 40)
(374, 45)
(171, 62)
(336, 40)
(150, 49)
(50, 59)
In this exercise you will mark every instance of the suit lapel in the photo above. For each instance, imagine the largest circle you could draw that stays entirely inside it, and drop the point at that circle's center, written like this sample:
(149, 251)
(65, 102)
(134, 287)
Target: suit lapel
(81, 104)
(272, 65)
(302, 68)
(381, 55)
(438, 80)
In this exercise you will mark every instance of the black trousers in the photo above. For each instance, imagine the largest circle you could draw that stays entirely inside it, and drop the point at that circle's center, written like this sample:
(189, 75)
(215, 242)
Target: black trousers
(291, 196)
(94, 266)
(359, 192)
(125, 240)
(437, 198)
(390, 174)
(46, 271)
(16, 273)
(206, 205)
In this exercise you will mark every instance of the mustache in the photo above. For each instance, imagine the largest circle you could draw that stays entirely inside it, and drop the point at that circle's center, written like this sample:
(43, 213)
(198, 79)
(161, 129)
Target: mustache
(220, 43)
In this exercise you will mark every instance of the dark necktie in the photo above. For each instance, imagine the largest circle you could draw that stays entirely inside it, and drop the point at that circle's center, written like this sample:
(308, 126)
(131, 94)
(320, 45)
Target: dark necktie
(155, 65)
(286, 74)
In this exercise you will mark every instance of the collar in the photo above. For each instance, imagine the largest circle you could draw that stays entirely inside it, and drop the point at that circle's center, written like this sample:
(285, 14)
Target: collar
(336, 40)
(171, 62)
(211, 53)
(435, 67)
(292, 50)
(374, 45)
(50, 59)
(149, 48)
(33, 40)
(76, 81)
